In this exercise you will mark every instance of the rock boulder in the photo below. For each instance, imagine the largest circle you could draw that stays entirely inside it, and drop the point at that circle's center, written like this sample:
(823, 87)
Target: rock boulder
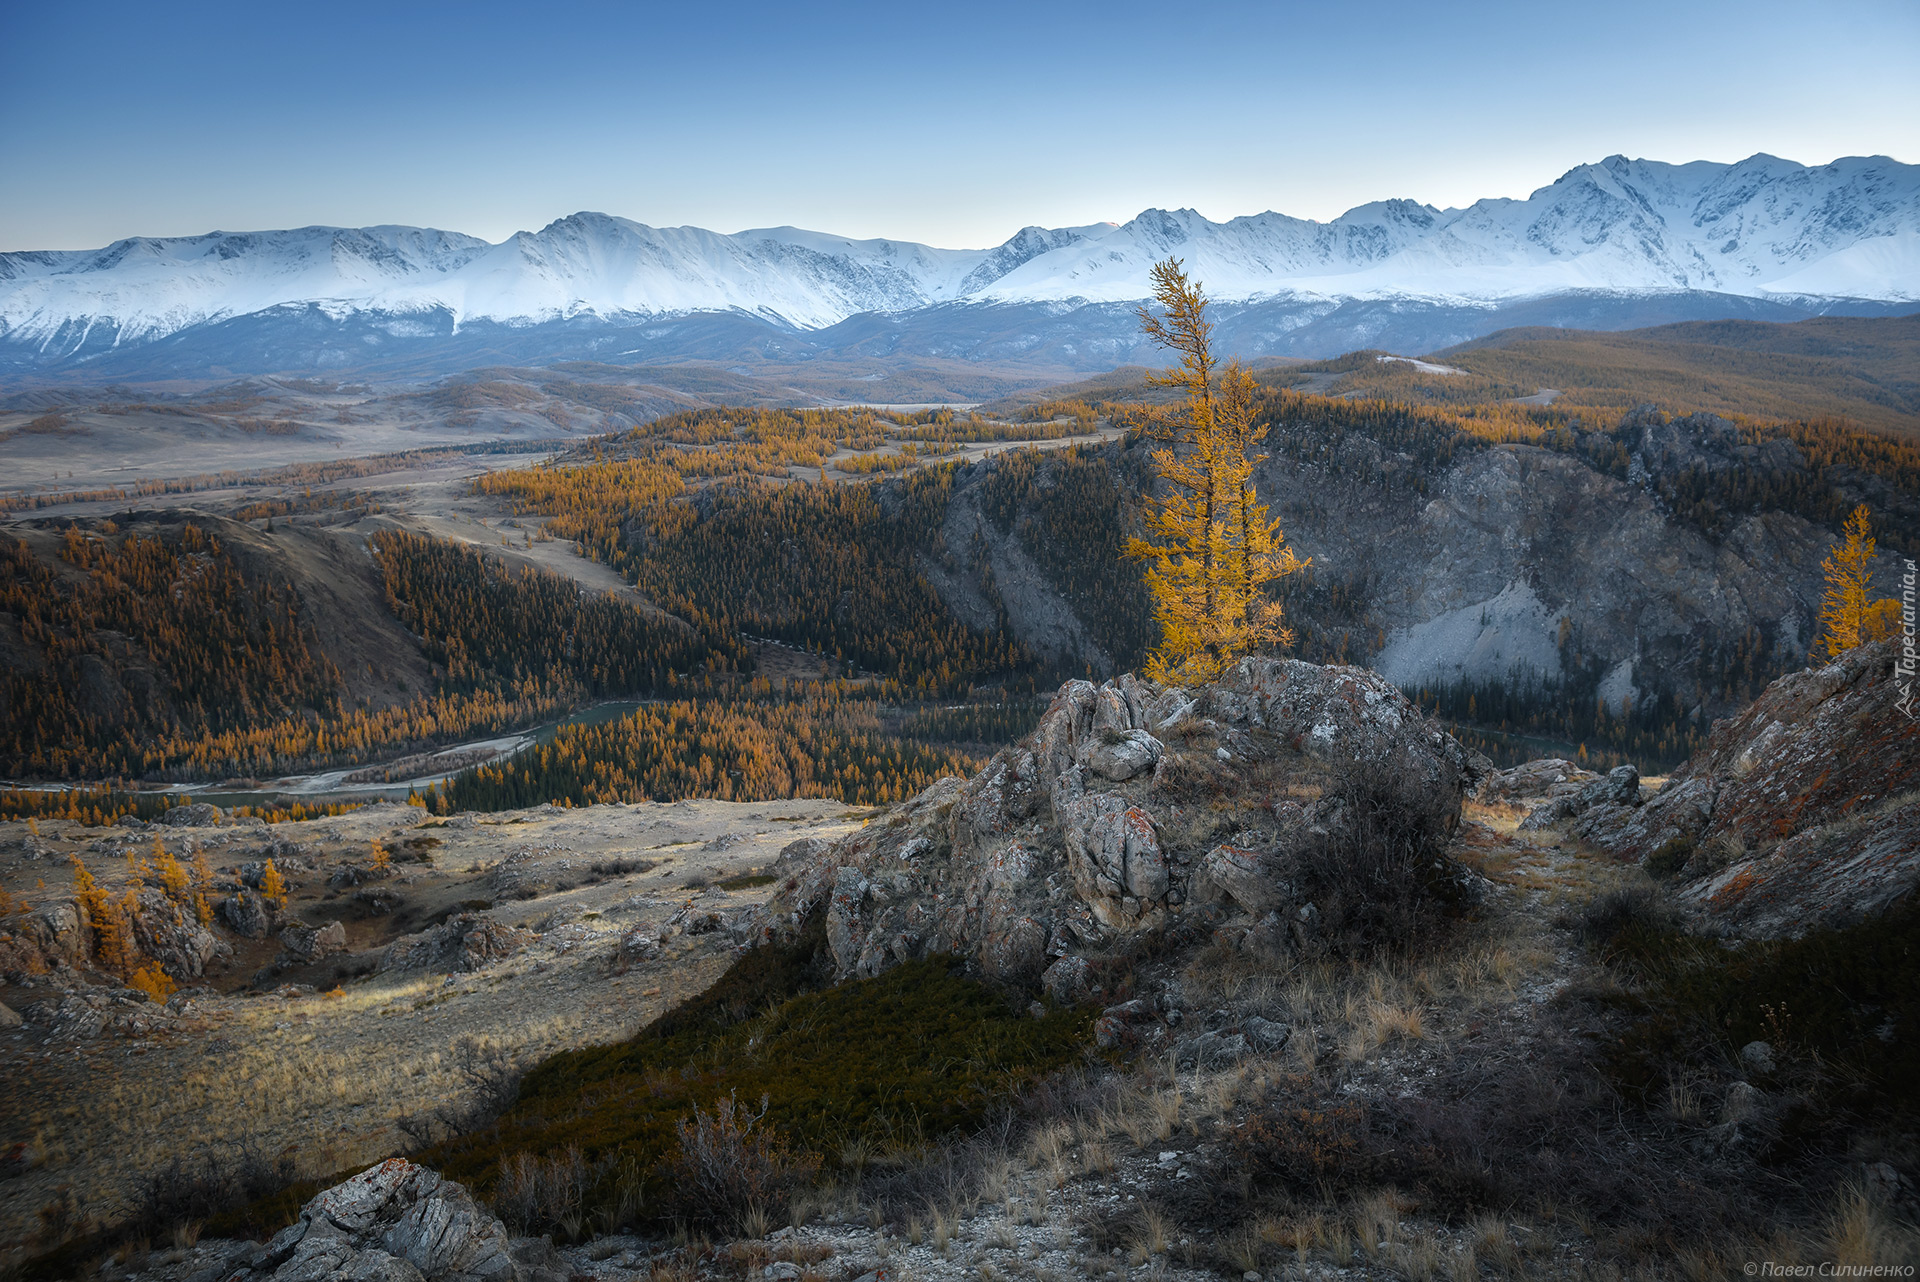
(464, 941)
(45, 939)
(306, 943)
(172, 934)
(1800, 811)
(397, 1222)
(1105, 823)
(198, 814)
(247, 914)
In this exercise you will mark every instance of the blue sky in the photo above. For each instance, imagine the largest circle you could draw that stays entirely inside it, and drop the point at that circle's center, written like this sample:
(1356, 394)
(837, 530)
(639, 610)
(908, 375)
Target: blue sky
(954, 125)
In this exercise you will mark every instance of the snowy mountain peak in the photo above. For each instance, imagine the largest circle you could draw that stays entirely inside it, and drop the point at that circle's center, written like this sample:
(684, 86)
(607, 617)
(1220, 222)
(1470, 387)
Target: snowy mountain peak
(1760, 227)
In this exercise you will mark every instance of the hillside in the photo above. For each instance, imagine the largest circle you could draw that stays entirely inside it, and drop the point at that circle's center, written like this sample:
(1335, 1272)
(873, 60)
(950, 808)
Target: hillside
(1864, 370)
(1607, 584)
(1270, 974)
(1613, 583)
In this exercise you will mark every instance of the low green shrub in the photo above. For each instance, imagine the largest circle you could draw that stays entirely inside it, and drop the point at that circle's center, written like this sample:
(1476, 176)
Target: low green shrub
(1844, 1002)
(920, 1053)
(1668, 861)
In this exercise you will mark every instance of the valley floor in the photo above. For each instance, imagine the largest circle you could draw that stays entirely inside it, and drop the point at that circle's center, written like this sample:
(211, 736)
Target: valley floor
(325, 1072)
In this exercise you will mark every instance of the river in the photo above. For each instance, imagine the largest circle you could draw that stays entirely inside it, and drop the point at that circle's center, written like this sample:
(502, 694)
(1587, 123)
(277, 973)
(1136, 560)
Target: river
(332, 785)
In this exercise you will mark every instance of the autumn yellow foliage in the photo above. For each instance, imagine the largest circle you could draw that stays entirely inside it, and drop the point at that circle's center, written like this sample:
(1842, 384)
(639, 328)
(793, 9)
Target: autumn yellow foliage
(1211, 548)
(273, 887)
(152, 981)
(1849, 616)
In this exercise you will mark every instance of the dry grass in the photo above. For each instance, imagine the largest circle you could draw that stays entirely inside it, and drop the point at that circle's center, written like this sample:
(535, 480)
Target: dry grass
(1862, 1233)
(331, 1076)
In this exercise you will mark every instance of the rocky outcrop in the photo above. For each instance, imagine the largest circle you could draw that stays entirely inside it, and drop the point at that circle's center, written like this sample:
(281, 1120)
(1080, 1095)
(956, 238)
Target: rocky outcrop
(305, 944)
(247, 914)
(1832, 875)
(1108, 821)
(198, 814)
(1556, 790)
(1800, 811)
(398, 1222)
(86, 1013)
(173, 935)
(465, 941)
(254, 873)
(1533, 781)
(48, 938)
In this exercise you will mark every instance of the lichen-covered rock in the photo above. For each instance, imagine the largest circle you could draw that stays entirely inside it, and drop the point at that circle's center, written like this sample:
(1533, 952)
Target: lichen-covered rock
(1534, 781)
(1211, 1050)
(246, 914)
(1832, 875)
(171, 934)
(1251, 878)
(1804, 802)
(72, 1018)
(1115, 859)
(392, 1222)
(1129, 1025)
(1125, 755)
(253, 873)
(87, 1013)
(1571, 793)
(306, 943)
(45, 939)
(464, 941)
(1621, 787)
(1096, 826)
(198, 814)
(638, 945)
(1266, 1035)
(1068, 981)
(490, 941)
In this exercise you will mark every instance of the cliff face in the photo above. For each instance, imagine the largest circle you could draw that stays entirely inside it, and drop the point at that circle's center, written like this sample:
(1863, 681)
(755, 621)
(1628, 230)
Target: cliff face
(1517, 559)
(1625, 570)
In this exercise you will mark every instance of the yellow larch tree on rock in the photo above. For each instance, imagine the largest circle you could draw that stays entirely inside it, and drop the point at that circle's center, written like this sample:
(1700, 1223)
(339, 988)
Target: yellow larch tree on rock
(1211, 548)
(1849, 616)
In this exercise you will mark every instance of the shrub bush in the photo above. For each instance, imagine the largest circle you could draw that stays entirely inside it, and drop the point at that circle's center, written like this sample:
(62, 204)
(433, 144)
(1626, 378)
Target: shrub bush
(920, 1053)
(732, 1169)
(1668, 861)
(1845, 1003)
(544, 1194)
(1383, 879)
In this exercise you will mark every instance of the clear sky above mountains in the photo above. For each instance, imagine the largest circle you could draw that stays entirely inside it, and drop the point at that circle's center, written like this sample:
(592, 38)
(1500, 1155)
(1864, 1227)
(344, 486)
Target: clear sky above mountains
(948, 125)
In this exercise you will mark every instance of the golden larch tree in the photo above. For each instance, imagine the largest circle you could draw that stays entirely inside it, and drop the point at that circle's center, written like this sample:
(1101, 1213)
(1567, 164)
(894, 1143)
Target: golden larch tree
(1849, 616)
(1257, 551)
(273, 887)
(1211, 548)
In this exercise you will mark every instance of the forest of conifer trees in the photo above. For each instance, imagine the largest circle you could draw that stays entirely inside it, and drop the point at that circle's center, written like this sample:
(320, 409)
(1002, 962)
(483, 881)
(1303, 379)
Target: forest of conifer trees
(218, 671)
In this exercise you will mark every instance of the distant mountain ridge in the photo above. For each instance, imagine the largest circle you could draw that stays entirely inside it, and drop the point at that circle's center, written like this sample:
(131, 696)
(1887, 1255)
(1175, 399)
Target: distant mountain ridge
(1788, 239)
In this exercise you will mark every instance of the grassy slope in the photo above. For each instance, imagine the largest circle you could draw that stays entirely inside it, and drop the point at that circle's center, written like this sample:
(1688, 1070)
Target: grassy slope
(1867, 370)
(1864, 369)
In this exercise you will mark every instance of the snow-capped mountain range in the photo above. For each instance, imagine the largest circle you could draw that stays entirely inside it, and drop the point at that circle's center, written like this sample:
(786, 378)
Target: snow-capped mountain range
(1761, 229)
